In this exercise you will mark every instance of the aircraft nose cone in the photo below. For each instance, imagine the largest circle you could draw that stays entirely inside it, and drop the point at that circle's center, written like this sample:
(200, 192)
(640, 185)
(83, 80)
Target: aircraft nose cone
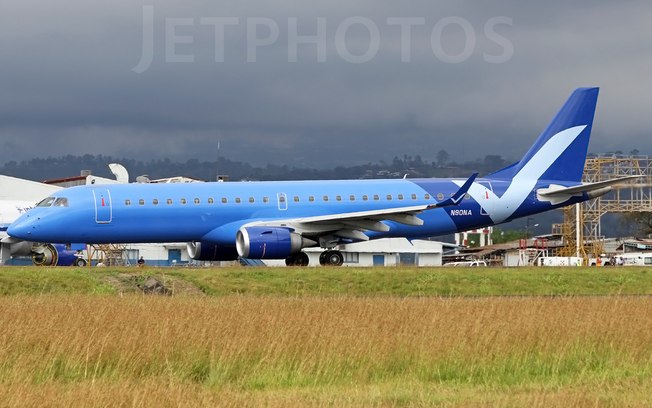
(22, 228)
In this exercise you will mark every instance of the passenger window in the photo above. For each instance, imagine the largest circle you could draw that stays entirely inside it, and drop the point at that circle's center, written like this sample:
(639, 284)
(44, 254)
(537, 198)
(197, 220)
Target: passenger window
(296, 199)
(266, 200)
(325, 198)
(127, 202)
(311, 198)
(183, 201)
(440, 196)
(197, 201)
(352, 197)
(414, 196)
(237, 200)
(400, 196)
(389, 197)
(338, 198)
(141, 202)
(376, 197)
(224, 200)
(46, 202)
(210, 200)
(155, 201)
(281, 199)
(365, 197)
(427, 196)
(169, 201)
(251, 200)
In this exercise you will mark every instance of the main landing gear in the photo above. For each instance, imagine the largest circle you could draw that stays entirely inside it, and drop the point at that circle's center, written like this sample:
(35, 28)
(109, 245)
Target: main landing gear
(326, 258)
(300, 259)
(331, 258)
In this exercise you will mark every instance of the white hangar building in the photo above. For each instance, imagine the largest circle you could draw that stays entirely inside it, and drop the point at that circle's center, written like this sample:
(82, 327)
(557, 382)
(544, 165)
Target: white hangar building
(382, 252)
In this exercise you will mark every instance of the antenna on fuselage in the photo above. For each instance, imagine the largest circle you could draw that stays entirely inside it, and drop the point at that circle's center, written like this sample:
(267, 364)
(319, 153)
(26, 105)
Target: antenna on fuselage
(217, 162)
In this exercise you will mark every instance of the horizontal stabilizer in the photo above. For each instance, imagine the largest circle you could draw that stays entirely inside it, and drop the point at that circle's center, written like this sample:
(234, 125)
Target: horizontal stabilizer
(557, 194)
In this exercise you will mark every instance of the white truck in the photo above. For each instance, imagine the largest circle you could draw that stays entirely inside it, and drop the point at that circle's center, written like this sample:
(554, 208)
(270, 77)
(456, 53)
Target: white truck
(635, 259)
(559, 261)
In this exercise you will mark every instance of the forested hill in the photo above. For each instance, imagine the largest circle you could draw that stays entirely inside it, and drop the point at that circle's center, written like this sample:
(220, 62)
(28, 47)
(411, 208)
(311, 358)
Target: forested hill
(67, 166)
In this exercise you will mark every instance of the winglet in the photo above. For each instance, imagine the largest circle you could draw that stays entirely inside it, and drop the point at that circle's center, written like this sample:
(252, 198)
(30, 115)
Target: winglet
(456, 198)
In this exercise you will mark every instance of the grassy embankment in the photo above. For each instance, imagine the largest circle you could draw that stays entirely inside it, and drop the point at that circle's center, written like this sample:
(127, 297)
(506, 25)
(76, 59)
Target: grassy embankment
(372, 337)
(336, 281)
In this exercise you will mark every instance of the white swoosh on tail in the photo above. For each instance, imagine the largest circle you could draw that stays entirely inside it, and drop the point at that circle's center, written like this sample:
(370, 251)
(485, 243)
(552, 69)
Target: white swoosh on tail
(500, 208)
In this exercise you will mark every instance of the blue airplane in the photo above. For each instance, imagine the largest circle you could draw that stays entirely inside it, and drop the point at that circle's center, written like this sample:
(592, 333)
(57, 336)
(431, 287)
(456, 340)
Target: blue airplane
(276, 220)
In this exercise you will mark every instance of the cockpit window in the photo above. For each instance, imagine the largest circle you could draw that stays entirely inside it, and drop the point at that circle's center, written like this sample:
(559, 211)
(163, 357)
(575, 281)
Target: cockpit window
(61, 202)
(46, 202)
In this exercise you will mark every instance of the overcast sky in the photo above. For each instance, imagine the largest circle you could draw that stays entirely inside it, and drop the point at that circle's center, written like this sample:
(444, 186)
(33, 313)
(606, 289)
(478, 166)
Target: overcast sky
(80, 77)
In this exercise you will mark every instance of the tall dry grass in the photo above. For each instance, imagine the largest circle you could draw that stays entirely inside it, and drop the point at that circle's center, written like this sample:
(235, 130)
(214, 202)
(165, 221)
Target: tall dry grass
(145, 351)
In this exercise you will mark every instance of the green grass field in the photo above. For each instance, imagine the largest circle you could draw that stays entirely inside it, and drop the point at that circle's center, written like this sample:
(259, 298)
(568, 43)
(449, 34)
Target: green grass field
(326, 337)
(357, 282)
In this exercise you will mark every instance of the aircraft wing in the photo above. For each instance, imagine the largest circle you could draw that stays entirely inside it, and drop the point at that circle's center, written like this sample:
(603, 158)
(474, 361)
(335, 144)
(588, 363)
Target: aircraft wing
(353, 225)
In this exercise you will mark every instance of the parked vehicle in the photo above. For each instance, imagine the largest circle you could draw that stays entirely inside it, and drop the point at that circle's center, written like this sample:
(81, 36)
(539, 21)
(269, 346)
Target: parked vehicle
(467, 263)
(559, 261)
(636, 259)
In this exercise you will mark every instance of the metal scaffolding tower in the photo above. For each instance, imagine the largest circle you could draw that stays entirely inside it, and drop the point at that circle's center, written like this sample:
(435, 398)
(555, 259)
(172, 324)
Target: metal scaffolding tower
(110, 254)
(631, 196)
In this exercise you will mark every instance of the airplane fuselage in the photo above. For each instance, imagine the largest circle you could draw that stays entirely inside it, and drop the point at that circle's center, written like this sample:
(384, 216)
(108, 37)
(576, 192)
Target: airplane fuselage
(174, 213)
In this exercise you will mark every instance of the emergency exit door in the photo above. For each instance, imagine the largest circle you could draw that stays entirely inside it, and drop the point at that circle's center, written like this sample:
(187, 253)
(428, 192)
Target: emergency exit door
(103, 210)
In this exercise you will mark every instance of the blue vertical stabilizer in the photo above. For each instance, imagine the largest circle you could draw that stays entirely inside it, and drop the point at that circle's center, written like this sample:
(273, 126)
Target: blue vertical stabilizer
(563, 145)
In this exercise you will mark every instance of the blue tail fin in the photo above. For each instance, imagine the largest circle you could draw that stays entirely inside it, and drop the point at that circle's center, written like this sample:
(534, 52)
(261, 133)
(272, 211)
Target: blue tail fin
(560, 151)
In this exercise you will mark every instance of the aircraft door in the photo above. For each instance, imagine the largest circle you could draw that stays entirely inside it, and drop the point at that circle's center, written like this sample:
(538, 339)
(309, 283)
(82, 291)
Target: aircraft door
(103, 209)
(282, 201)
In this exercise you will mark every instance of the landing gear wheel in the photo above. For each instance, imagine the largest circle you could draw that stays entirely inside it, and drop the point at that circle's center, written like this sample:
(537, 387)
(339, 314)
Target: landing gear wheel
(291, 260)
(301, 259)
(80, 262)
(333, 258)
(323, 258)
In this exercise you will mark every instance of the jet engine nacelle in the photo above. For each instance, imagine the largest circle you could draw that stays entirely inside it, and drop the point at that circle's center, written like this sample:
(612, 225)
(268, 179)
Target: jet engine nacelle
(269, 242)
(55, 254)
(22, 248)
(9, 248)
(206, 251)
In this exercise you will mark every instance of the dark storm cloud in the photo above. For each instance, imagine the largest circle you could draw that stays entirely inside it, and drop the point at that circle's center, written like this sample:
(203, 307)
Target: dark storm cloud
(68, 84)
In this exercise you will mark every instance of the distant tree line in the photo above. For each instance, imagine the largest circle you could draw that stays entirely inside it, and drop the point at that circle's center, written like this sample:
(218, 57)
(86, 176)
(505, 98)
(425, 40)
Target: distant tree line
(414, 166)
